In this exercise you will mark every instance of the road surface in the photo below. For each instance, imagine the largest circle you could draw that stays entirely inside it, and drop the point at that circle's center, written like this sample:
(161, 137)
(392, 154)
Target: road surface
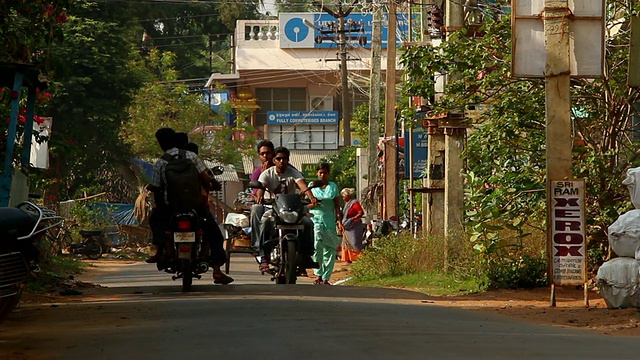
(141, 314)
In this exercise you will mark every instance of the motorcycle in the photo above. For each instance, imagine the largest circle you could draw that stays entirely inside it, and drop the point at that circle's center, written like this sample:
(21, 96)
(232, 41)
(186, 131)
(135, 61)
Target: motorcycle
(21, 227)
(283, 245)
(189, 259)
(92, 245)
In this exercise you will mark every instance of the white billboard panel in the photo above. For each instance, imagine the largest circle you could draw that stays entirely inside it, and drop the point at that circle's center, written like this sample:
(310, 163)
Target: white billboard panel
(528, 7)
(586, 31)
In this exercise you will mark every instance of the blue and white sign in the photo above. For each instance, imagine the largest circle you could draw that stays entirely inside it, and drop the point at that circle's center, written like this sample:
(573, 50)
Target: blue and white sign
(420, 145)
(320, 30)
(293, 31)
(302, 117)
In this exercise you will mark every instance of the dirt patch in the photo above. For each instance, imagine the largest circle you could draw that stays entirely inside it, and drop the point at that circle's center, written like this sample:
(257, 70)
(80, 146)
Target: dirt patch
(527, 305)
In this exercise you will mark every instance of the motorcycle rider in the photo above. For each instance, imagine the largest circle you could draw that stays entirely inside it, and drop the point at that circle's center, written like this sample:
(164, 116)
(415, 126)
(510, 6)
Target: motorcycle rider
(168, 142)
(278, 179)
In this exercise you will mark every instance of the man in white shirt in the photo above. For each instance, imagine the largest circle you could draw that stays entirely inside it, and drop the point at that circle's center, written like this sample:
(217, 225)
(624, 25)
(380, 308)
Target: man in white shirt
(281, 179)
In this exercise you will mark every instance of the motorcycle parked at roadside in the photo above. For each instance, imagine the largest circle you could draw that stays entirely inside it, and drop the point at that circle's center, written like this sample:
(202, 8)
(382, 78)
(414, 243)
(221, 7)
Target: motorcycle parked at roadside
(283, 246)
(92, 245)
(21, 227)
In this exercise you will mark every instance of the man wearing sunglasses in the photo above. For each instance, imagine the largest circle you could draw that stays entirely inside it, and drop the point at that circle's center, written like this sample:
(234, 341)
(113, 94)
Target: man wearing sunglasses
(280, 179)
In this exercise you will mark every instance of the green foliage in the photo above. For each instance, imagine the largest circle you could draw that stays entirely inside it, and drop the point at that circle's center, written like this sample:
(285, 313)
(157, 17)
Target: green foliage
(343, 167)
(28, 28)
(54, 271)
(398, 255)
(198, 32)
(428, 282)
(524, 272)
(159, 105)
(506, 147)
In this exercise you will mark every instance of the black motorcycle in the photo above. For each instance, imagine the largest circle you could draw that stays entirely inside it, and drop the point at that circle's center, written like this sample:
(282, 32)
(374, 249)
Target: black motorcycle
(189, 259)
(92, 245)
(283, 246)
(21, 227)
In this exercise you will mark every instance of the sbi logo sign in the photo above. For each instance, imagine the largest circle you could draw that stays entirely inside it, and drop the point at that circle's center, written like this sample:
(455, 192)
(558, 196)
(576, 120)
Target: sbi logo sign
(294, 33)
(295, 30)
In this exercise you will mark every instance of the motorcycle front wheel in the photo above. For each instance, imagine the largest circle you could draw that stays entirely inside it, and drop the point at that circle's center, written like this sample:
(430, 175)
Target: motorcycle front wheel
(93, 249)
(7, 304)
(291, 263)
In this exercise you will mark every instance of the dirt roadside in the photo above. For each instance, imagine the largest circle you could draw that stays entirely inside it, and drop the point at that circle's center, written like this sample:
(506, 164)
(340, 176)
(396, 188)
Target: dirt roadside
(526, 305)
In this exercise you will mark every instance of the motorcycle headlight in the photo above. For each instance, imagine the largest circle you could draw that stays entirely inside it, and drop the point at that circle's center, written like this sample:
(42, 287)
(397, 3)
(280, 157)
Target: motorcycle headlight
(290, 217)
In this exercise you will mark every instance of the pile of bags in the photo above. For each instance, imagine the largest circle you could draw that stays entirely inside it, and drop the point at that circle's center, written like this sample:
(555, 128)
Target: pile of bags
(618, 279)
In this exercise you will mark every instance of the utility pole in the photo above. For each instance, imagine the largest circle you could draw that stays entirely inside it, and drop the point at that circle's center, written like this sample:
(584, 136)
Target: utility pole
(390, 155)
(346, 105)
(454, 138)
(374, 96)
(557, 103)
(433, 198)
(341, 14)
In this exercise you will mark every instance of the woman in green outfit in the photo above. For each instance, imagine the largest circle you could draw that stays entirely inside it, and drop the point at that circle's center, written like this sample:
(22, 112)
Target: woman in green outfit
(325, 216)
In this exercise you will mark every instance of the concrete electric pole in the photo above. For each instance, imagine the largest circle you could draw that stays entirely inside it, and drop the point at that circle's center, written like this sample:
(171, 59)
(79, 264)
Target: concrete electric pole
(557, 101)
(374, 96)
(390, 155)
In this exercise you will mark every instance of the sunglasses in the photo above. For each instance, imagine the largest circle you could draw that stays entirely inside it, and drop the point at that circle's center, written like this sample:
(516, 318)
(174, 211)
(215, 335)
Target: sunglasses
(265, 153)
(281, 158)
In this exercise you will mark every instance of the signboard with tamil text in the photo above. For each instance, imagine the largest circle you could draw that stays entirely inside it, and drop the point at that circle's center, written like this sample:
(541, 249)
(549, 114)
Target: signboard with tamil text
(302, 117)
(567, 242)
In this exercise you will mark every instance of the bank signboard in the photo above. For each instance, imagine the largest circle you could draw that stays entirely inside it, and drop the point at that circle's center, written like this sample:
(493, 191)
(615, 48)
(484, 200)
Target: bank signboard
(302, 117)
(568, 250)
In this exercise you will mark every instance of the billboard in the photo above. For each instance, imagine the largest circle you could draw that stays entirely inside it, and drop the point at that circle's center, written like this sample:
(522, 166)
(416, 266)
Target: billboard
(320, 30)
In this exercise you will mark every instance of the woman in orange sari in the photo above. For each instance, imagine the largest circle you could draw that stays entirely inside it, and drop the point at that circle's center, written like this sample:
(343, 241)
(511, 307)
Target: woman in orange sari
(351, 226)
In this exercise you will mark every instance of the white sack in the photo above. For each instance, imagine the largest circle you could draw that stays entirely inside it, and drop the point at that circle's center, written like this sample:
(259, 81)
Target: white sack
(239, 220)
(632, 182)
(624, 234)
(617, 282)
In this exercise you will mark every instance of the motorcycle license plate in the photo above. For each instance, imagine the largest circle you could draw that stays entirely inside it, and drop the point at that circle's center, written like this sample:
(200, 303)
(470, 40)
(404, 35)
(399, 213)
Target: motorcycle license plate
(290, 227)
(184, 237)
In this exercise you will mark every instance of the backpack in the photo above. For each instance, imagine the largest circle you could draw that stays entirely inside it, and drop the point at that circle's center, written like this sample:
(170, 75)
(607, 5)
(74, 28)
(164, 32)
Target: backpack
(182, 182)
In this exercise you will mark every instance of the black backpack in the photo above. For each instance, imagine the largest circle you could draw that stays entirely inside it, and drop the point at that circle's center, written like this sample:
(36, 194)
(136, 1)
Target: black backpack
(183, 182)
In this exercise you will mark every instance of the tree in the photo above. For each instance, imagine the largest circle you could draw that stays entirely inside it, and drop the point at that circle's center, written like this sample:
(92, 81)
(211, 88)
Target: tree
(28, 28)
(167, 103)
(506, 148)
(93, 75)
(196, 31)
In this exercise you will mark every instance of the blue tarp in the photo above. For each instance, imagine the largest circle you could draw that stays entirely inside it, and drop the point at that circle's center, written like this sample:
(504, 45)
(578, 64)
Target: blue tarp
(120, 214)
(146, 169)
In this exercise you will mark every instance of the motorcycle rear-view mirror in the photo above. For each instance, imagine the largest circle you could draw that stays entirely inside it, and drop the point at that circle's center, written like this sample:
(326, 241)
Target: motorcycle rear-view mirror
(217, 170)
(316, 183)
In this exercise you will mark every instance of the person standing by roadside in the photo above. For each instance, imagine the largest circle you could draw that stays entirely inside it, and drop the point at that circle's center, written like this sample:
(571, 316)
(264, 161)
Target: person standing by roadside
(351, 226)
(325, 216)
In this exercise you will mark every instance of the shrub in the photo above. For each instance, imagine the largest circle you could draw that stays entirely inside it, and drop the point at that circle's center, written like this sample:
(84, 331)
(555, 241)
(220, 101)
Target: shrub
(401, 254)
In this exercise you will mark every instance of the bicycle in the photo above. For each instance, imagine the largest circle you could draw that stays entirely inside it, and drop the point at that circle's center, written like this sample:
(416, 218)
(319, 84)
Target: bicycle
(60, 239)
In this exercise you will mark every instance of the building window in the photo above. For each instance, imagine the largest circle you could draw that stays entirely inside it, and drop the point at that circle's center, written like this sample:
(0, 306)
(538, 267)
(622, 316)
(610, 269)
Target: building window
(279, 99)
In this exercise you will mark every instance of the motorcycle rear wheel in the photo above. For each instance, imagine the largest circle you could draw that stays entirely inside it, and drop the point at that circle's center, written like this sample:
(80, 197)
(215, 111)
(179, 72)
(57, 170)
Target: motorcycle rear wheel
(93, 249)
(187, 275)
(7, 304)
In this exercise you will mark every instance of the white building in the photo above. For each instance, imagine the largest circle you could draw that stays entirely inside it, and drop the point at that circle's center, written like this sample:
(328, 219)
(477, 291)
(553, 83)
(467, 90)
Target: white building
(288, 72)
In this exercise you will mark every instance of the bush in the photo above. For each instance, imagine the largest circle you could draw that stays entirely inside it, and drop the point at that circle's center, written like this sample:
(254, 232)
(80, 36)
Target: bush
(401, 254)
(523, 272)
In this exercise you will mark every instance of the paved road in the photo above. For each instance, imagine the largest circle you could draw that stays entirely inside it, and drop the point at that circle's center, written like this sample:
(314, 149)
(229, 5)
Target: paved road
(142, 314)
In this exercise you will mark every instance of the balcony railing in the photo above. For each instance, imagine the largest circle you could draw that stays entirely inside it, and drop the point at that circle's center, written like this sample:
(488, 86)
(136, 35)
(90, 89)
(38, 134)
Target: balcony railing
(259, 30)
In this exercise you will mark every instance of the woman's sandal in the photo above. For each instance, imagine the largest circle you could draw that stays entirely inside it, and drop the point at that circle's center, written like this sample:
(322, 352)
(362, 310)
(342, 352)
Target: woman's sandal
(317, 281)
